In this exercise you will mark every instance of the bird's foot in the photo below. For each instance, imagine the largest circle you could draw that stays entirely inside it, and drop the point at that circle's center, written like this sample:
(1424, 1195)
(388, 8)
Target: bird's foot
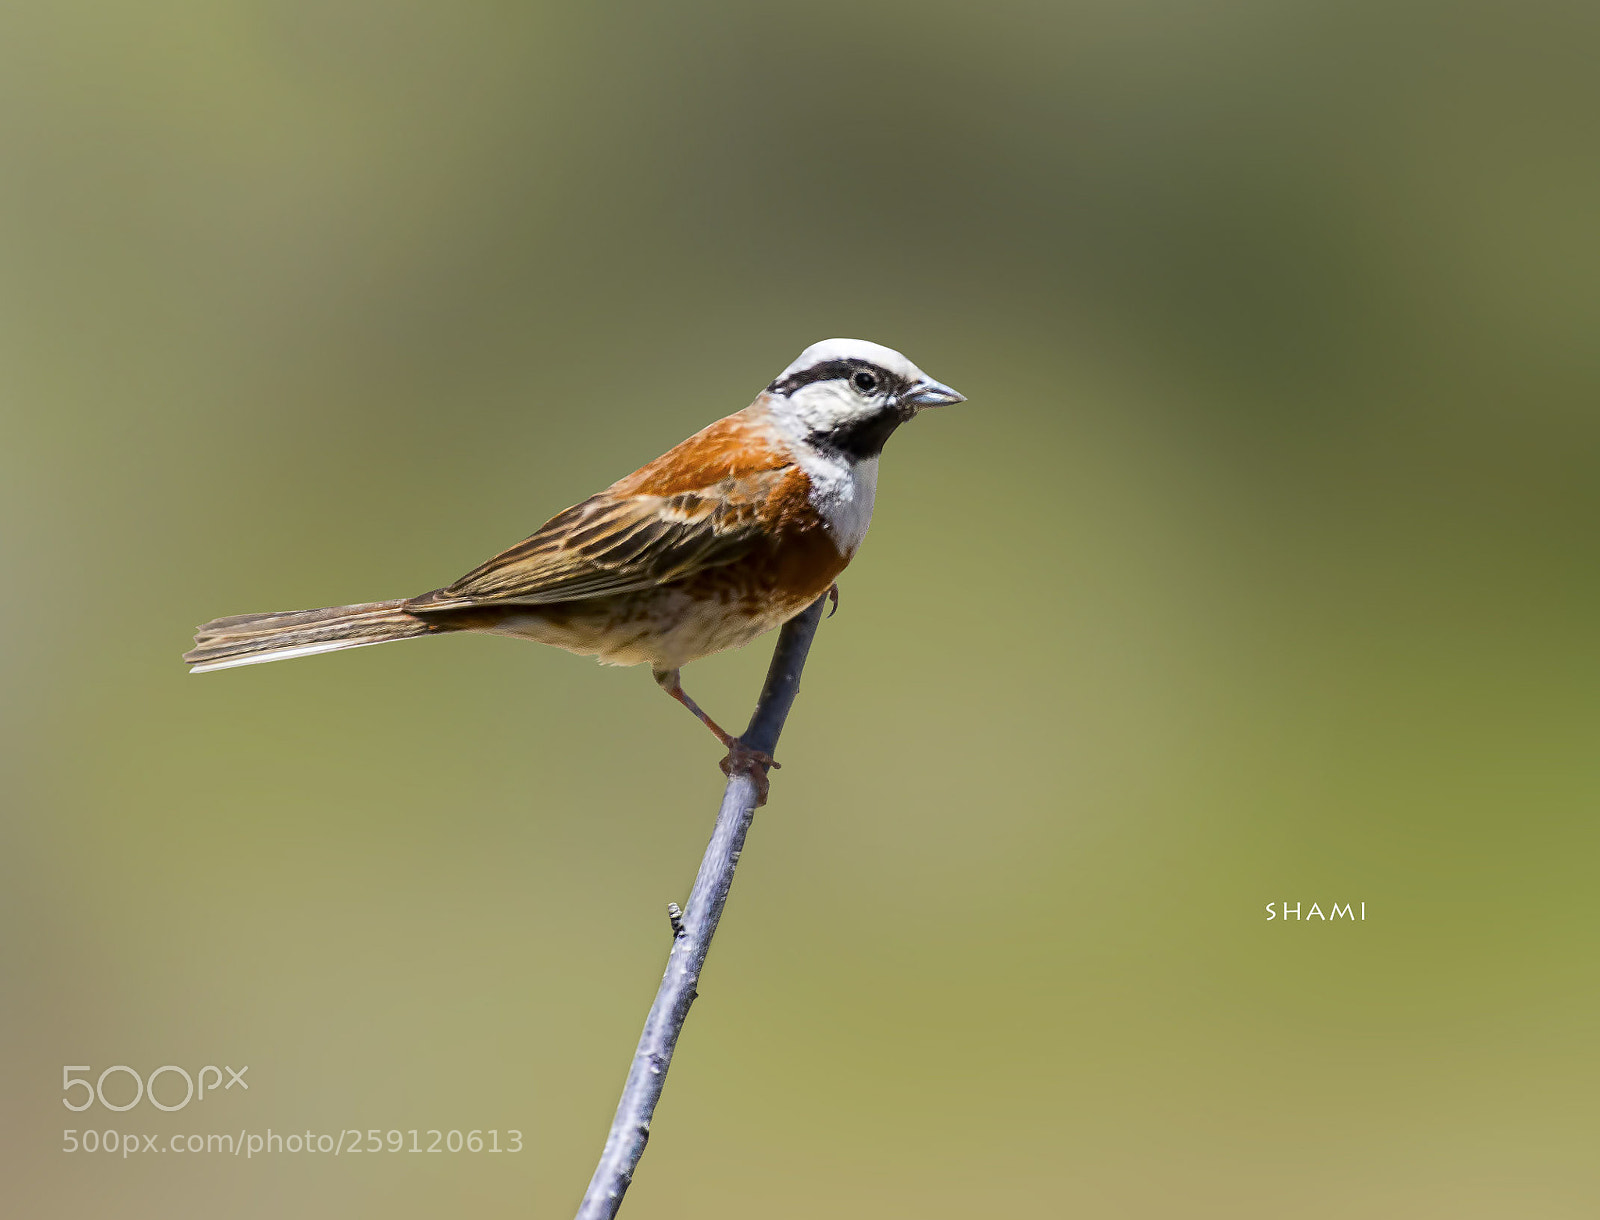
(742, 760)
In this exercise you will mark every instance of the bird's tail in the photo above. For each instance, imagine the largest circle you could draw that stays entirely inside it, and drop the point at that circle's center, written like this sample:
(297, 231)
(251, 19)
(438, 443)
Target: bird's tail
(249, 639)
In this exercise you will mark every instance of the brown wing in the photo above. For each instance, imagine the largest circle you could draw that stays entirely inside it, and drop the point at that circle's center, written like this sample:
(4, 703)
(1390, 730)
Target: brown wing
(698, 506)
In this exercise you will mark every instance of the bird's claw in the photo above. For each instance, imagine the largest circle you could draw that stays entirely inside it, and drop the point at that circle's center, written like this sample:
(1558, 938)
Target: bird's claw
(833, 599)
(742, 760)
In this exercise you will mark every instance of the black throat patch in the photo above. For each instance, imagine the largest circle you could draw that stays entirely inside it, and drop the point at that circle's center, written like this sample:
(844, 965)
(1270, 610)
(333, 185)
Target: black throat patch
(860, 438)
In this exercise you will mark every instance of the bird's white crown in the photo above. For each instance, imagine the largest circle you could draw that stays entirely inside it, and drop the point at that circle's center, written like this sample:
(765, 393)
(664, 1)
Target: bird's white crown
(830, 351)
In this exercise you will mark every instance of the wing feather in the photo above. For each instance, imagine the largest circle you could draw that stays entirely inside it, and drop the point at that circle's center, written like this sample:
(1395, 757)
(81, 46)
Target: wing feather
(623, 543)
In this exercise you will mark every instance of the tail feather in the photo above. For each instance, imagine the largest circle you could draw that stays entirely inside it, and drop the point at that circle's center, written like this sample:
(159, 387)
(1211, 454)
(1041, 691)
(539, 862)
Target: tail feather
(250, 639)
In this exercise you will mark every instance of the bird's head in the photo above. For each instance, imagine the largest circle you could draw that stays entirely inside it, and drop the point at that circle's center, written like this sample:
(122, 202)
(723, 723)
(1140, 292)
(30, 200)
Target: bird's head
(848, 395)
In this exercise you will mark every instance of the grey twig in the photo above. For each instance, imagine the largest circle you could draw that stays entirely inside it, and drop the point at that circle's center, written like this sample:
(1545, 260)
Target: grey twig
(693, 930)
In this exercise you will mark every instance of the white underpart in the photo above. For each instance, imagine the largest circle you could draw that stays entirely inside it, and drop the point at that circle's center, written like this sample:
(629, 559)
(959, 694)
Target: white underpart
(842, 491)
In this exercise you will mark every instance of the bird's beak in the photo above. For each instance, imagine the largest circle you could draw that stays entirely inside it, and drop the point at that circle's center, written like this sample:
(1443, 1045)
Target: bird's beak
(928, 393)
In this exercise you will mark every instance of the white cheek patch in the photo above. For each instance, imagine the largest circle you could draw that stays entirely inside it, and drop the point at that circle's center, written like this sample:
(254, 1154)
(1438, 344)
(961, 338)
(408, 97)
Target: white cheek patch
(823, 407)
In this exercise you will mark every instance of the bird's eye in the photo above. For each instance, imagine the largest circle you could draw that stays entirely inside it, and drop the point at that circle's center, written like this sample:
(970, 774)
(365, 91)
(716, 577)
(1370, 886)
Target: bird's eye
(865, 382)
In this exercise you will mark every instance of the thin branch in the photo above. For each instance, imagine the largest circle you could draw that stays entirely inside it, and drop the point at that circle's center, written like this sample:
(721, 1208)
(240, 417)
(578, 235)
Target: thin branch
(694, 928)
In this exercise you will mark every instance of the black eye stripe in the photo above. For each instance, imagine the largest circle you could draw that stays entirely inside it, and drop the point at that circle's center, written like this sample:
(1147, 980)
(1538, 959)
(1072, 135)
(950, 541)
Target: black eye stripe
(834, 370)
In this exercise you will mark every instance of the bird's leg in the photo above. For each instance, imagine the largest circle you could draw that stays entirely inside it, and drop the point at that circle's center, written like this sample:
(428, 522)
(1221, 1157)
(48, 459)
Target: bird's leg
(741, 759)
(667, 679)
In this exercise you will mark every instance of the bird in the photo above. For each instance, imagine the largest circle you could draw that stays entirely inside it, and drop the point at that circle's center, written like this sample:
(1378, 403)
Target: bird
(717, 541)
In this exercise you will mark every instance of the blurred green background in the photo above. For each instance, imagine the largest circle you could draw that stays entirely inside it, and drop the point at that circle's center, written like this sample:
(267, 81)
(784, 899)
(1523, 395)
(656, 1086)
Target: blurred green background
(1260, 566)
